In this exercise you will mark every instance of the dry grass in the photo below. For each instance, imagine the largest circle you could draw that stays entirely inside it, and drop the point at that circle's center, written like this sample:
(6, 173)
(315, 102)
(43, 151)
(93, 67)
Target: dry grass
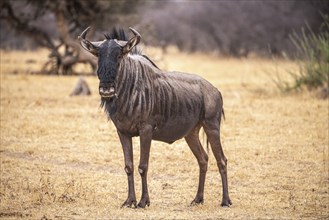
(61, 159)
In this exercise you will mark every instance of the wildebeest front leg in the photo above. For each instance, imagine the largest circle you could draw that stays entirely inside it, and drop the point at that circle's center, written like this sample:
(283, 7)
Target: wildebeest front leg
(145, 134)
(129, 168)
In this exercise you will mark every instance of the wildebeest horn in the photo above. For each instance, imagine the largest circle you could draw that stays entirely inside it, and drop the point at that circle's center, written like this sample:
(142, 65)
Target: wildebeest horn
(137, 35)
(132, 42)
(91, 47)
(84, 33)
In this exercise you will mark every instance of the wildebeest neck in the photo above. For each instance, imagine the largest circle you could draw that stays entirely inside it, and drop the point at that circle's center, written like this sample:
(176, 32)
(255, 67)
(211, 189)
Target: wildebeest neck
(135, 76)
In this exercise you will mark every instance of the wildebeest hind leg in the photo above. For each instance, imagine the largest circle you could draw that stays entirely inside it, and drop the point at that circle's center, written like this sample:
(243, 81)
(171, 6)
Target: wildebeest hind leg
(193, 142)
(212, 129)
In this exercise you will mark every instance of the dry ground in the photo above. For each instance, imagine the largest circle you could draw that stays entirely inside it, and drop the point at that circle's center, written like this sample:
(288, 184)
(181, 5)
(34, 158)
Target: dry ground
(61, 158)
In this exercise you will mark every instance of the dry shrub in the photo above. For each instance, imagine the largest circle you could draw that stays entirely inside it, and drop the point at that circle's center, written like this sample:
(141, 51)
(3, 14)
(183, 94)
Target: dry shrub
(313, 55)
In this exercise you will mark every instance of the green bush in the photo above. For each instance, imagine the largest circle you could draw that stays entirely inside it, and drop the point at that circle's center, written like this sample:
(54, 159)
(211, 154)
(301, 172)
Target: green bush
(313, 56)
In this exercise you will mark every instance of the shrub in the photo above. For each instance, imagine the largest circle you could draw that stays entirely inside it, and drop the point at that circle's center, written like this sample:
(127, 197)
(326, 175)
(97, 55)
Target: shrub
(313, 56)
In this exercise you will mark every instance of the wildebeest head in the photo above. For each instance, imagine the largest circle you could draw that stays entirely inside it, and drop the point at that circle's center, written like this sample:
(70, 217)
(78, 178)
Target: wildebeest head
(109, 53)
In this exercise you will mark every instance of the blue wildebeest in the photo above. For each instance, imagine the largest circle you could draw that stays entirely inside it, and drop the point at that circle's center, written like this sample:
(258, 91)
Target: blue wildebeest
(141, 100)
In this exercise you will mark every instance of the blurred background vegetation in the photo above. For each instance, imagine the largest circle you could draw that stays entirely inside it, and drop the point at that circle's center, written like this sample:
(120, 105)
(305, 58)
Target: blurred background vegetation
(293, 28)
(234, 28)
(312, 51)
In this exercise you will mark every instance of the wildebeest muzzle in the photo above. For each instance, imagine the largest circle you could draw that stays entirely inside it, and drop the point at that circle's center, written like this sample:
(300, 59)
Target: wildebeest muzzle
(107, 91)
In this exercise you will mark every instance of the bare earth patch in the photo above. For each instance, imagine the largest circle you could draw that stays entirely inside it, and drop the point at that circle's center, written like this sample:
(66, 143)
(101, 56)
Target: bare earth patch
(60, 158)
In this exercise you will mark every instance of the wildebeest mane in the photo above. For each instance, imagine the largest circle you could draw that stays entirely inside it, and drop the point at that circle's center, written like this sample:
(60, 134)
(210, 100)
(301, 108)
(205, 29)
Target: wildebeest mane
(117, 33)
(131, 82)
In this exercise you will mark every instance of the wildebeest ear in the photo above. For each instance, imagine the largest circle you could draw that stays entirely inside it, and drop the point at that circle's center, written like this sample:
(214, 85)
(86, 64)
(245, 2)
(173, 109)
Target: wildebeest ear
(91, 47)
(132, 42)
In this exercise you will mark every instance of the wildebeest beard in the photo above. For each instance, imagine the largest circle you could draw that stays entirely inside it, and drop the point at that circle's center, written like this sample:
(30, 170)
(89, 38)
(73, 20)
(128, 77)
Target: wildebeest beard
(109, 106)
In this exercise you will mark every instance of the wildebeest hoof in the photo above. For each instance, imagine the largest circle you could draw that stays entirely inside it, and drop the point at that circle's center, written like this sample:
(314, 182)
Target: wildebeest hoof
(144, 202)
(197, 201)
(129, 203)
(226, 203)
